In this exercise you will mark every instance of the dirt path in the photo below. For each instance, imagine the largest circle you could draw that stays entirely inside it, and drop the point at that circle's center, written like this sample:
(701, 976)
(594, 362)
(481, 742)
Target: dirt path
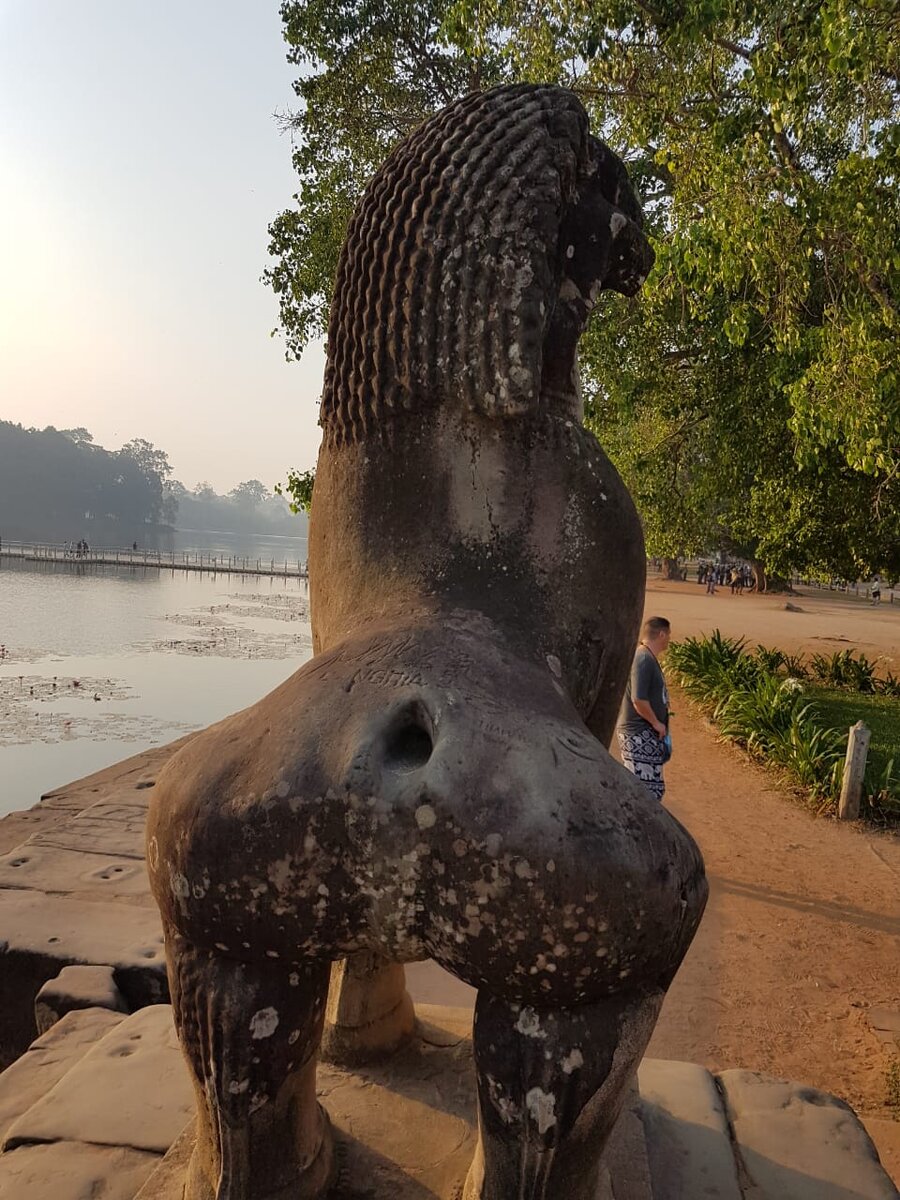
(825, 621)
(801, 935)
(802, 932)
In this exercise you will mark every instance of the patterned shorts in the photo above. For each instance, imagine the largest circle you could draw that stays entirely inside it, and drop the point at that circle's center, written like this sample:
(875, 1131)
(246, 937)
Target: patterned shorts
(643, 754)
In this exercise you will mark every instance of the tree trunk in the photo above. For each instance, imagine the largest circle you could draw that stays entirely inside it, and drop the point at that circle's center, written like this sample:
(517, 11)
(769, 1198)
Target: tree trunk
(759, 574)
(671, 568)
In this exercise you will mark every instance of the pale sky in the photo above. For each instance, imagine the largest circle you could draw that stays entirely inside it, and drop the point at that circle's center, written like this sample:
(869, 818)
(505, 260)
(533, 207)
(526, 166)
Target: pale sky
(140, 165)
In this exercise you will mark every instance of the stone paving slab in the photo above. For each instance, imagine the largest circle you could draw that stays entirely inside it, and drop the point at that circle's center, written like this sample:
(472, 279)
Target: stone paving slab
(127, 777)
(48, 1059)
(96, 873)
(41, 934)
(115, 825)
(16, 827)
(125, 782)
(405, 1128)
(167, 1180)
(73, 889)
(132, 1088)
(74, 988)
(74, 1171)
(77, 930)
(626, 1169)
(688, 1139)
(797, 1143)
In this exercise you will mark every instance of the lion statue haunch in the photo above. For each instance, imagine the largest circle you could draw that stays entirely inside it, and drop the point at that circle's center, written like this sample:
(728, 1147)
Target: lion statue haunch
(435, 782)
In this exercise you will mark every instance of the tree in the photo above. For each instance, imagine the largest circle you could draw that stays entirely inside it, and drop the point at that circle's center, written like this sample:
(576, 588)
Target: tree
(154, 463)
(250, 493)
(378, 70)
(155, 468)
(299, 487)
(204, 491)
(54, 485)
(79, 436)
(765, 140)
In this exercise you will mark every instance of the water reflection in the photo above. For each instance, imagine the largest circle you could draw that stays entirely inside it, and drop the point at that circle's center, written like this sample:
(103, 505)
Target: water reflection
(157, 652)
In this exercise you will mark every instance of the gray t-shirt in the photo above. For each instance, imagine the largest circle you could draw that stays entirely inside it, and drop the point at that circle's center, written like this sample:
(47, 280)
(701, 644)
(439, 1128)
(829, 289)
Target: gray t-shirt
(646, 682)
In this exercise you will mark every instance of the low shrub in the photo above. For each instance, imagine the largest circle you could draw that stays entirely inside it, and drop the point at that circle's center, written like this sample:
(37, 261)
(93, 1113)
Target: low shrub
(843, 670)
(758, 699)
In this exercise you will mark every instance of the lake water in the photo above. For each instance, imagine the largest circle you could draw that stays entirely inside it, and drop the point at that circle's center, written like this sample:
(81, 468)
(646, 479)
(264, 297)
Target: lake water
(100, 663)
(267, 547)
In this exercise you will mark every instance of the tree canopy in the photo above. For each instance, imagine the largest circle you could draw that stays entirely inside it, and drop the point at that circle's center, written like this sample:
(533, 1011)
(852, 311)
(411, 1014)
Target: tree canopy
(83, 488)
(750, 395)
(250, 493)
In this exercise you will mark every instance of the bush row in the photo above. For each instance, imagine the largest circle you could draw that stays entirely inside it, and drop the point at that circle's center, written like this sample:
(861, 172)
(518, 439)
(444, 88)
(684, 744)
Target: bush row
(757, 699)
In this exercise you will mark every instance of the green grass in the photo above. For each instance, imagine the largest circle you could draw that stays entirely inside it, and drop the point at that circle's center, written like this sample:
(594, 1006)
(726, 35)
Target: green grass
(880, 713)
(766, 702)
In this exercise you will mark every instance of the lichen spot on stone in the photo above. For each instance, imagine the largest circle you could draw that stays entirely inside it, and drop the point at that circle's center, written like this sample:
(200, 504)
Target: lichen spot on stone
(617, 223)
(570, 251)
(529, 1024)
(282, 788)
(426, 817)
(573, 1060)
(263, 1023)
(237, 1087)
(180, 886)
(555, 665)
(541, 1106)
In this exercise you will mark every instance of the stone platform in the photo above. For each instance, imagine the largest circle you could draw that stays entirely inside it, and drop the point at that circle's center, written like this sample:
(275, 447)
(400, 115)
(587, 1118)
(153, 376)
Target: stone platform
(74, 889)
(101, 1106)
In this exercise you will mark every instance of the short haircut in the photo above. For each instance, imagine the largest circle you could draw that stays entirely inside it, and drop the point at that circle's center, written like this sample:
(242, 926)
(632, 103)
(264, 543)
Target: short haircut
(654, 626)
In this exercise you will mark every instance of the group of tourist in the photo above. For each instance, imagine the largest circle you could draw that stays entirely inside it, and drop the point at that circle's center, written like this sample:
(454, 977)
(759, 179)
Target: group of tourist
(76, 549)
(736, 575)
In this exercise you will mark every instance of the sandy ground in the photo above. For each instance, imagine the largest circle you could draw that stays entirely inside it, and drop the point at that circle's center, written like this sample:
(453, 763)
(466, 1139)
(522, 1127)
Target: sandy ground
(802, 932)
(827, 621)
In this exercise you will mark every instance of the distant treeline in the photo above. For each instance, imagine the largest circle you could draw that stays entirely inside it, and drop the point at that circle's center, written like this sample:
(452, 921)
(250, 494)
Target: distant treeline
(59, 485)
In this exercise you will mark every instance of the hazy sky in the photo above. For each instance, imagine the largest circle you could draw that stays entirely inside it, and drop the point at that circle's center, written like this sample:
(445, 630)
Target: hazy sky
(139, 168)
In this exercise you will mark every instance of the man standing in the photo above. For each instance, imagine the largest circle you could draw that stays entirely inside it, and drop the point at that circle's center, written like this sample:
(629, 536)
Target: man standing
(643, 723)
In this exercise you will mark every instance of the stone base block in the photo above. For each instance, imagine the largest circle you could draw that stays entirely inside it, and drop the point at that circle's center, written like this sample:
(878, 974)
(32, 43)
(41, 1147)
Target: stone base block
(405, 1131)
(132, 1088)
(688, 1139)
(74, 1171)
(797, 1143)
(405, 1126)
(74, 988)
(40, 934)
(48, 1059)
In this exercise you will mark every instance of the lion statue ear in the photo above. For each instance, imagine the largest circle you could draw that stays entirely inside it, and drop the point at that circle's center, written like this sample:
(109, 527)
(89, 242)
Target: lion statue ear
(451, 272)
